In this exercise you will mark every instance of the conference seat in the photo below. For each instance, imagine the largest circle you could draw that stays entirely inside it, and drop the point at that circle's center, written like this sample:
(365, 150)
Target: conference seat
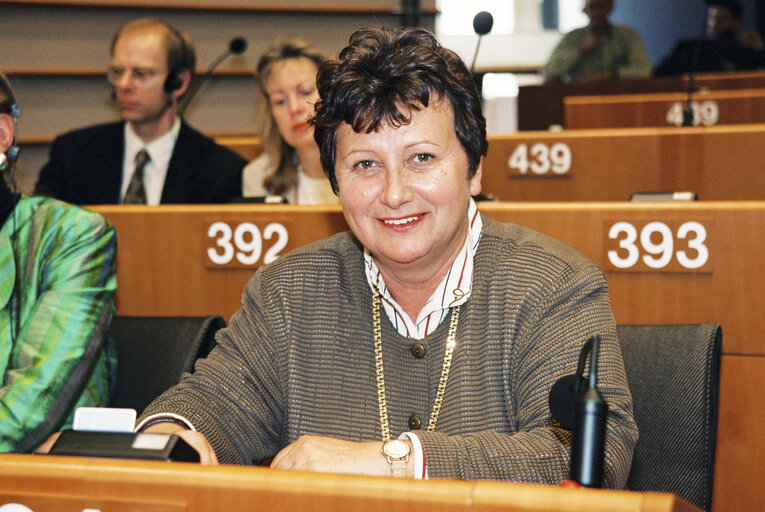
(153, 353)
(674, 376)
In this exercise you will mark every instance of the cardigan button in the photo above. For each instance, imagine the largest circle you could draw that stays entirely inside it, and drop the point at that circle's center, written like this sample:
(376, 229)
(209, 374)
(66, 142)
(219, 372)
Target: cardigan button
(414, 422)
(418, 351)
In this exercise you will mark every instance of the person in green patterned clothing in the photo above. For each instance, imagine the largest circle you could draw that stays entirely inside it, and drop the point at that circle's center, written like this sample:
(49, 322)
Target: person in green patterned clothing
(57, 285)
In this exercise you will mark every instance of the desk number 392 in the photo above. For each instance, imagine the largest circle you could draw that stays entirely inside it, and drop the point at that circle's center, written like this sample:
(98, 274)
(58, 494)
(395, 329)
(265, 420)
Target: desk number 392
(245, 242)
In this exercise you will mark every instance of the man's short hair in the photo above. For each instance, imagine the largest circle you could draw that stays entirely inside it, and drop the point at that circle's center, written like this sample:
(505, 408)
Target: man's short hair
(180, 50)
(734, 6)
(5, 95)
(382, 72)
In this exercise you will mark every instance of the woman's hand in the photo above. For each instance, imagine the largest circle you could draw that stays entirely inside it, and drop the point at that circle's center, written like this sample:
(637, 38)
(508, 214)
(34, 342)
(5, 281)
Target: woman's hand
(330, 455)
(194, 439)
(48, 444)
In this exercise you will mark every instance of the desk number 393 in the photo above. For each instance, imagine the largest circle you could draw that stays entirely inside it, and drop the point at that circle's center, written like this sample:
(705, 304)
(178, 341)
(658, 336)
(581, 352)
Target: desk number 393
(657, 240)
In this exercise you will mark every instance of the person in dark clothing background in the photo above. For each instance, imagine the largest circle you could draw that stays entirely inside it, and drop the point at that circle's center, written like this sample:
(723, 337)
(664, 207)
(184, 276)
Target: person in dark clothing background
(722, 50)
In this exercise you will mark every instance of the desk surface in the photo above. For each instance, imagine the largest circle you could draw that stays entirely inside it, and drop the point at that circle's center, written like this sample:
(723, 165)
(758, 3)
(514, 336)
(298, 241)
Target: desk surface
(48, 483)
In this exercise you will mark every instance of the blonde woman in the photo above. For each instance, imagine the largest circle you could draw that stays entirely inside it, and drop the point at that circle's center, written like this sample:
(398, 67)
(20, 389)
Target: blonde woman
(290, 165)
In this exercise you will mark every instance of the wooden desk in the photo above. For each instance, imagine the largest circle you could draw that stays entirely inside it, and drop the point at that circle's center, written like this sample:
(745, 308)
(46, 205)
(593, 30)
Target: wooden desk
(718, 163)
(664, 109)
(248, 147)
(541, 106)
(164, 269)
(48, 483)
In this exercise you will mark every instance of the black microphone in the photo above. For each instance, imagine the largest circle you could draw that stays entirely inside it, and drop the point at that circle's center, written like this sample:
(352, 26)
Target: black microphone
(588, 445)
(411, 13)
(236, 46)
(566, 390)
(688, 110)
(482, 23)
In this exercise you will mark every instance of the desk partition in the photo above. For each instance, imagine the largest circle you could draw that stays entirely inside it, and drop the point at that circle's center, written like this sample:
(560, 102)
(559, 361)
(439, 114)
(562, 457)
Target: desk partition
(541, 106)
(717, 163)
(664, 109)
(48, 484)
(665, 263)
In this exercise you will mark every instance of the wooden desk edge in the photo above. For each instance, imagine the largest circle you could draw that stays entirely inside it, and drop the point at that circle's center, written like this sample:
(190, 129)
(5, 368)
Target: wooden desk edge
(16, 469)
(486, 206)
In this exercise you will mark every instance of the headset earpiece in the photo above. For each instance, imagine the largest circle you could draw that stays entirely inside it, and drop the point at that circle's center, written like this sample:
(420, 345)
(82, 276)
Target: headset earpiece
(173, 82)
(12, 153)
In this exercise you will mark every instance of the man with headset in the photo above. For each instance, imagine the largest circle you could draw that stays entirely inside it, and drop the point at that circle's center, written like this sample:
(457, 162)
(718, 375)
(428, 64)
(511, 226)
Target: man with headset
(152, 156)
(57, 284)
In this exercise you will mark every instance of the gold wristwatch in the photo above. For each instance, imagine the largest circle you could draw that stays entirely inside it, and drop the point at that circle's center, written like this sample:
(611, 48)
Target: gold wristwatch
(397, 453)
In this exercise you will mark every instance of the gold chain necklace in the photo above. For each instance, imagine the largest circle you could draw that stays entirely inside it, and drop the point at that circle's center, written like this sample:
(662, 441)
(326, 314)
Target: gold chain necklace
(381, 401)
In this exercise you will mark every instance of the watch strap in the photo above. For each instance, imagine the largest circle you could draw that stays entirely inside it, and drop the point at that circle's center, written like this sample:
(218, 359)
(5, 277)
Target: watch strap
(398, 467)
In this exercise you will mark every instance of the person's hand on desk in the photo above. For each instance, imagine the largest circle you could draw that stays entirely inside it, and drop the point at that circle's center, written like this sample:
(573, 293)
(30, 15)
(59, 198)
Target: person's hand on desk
(330, 455)
(194, 439)
(45, 447)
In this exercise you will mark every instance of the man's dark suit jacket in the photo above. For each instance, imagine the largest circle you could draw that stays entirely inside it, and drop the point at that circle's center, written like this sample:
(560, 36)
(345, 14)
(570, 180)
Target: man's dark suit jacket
(711, 57)
(85, 167)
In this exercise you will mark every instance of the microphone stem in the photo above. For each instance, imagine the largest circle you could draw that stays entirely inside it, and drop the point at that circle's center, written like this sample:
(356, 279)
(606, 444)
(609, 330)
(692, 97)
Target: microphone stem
(475, 55)
(594, 360)
(688, 111)
(588, 442)
(194, 87)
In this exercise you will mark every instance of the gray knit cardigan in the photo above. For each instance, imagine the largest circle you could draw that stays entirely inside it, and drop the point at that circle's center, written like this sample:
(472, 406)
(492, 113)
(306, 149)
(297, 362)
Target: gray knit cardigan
(298, 359)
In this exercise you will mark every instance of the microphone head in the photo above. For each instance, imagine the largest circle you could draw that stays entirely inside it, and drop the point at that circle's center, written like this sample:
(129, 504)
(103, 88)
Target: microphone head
(563, 397)
(482, 23)
(237, 45)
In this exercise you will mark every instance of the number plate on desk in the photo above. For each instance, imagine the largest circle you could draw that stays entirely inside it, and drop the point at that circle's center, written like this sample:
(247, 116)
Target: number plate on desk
(540, 160)
(243, 243)
(657, 246)
(705, 113)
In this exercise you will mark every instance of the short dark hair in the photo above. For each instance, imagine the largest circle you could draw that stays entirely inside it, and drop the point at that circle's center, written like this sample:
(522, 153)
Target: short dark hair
(734, 6)
(383, 71)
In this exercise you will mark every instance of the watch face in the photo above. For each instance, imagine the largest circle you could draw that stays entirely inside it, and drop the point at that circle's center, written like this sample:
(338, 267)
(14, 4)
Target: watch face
(396, 449)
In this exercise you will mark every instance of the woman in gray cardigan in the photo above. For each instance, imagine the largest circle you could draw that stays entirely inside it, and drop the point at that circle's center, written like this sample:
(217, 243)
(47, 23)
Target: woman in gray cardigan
(423, 343)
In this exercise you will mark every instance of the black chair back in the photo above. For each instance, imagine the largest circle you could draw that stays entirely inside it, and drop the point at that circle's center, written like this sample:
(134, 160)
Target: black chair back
(674, 376)
(153, 353)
